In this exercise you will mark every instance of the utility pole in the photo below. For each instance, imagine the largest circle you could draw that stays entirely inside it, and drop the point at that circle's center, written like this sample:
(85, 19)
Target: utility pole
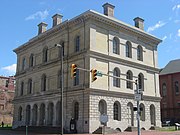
(62, 85)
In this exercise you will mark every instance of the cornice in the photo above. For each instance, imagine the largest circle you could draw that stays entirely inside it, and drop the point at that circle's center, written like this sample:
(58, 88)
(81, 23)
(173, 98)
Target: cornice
(121, 95)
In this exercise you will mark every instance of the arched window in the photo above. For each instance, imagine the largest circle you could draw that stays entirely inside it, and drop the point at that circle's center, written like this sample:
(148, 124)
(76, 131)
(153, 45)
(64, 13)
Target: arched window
(142, 109)
(129, 76)
(76, 79)
(117, 111)
(34, 115)
(102, 107)
(116, 81)
(141, 81)
(22, 89)
(45, 54)
(176, 87)
(139, 53)
(116, 45)
(31, 60)
(20, 114)
(43, 83)
(23, 64)
(164, 90)
(128, 49)
(28, 114)
(29, 86)
(42, 118)
(76, 110)
(62, 47)
(50, 113)
(77, 44)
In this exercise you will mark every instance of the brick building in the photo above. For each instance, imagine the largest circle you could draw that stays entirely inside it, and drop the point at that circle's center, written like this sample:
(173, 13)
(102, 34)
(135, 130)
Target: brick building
(170, 92)
(7, 89)
(90, 40)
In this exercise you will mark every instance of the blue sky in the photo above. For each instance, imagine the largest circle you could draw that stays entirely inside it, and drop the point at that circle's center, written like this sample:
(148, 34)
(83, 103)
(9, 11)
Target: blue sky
(19, 20)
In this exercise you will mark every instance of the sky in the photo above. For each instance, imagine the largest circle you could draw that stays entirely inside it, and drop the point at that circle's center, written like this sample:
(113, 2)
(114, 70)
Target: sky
(19, 20)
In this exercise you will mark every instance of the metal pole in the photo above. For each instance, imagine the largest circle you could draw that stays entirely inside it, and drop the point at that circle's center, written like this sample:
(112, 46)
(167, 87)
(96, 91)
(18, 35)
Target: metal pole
(138, 109)
(62, 82)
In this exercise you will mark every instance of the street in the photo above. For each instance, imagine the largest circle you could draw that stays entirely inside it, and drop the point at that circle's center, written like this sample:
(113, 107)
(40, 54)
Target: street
(10, 132)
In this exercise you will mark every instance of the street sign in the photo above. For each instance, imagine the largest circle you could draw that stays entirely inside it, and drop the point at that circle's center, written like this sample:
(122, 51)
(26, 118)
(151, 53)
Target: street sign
(137, 97)
(99, 73)
(103, 118)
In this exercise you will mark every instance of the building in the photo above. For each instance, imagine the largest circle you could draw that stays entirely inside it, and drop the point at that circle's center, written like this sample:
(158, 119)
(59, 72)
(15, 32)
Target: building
(7, 89)
(90, 40)
(169, 88)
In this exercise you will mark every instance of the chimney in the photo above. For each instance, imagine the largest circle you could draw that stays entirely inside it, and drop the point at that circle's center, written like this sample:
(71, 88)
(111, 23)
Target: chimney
(139, 23)
(42, 27)
(57, 19)
(108, 9)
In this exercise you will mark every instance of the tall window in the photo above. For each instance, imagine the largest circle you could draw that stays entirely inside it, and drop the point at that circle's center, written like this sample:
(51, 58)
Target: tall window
(128, 49)
(142, 108)
(116, 81)
(76, 110)
(43, 82)
(59, 79)
(77, 44)
(139, 53)
(164, 90)
(31, 60)
(45, 54)
(117, 111)
(116, 45)
(176, 87)
(29, 86)
(23, 64)
(129, 76)
(141, 81)
(22, 88)
(76, 79)
(20, 114)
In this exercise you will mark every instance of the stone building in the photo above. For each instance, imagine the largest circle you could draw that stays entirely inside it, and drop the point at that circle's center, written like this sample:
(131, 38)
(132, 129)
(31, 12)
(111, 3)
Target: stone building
(169, 88)
(90, 40)
(7, 88)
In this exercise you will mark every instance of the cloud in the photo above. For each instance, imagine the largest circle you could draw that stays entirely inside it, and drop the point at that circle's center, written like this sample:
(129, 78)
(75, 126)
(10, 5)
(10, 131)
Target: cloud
(164, 38)
(178, 33)
(38, 15)
(10, 70)
(176, 21)
(156, 26)
(176, 7)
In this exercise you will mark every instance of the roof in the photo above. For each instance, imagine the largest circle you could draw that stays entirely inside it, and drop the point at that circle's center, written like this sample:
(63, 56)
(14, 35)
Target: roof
(172, 67)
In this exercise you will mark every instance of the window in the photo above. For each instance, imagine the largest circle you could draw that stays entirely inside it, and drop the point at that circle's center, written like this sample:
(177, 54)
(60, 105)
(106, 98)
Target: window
(129, 76)
(116, 81)
(22, 88)
(128, 49)
(76, 79)
(59, 79)
(117, 111)
(77, 44)
(43, 83)
(164, 90)
(139, 53)
(176, 87)
(45, 54)
(29, 86)
(141, 81)
(116, 45)
(76, 110)
(62, 47)
(23, 64)
(142, 109)
(31, 60)
(20, 114)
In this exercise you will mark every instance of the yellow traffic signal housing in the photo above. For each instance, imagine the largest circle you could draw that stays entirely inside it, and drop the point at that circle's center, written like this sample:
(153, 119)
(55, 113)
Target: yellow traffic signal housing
(94, 74)
(73, 70)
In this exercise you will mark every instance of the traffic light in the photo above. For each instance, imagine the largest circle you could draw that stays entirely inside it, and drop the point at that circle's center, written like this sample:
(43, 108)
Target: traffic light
(73, 70)
(93, 74)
